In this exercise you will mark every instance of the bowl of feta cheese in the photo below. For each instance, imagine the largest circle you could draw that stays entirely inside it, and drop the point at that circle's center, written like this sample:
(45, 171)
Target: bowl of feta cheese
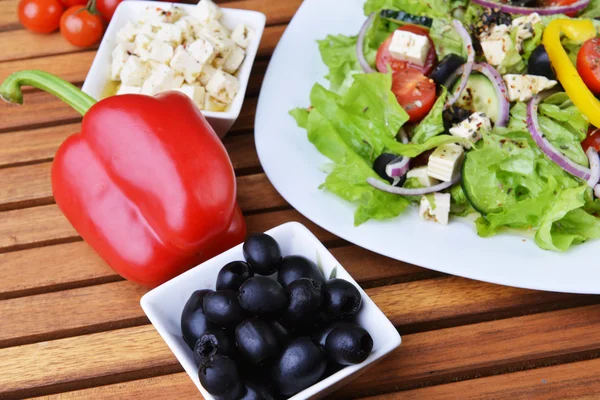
(203, 51)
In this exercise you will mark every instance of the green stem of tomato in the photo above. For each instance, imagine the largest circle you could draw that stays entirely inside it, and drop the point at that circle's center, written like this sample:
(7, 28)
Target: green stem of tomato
(10, 90)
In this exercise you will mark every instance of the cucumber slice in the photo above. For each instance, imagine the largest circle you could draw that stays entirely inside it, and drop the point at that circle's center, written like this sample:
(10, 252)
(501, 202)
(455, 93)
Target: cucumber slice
(486, 197)
(479, 96)
(402, 18)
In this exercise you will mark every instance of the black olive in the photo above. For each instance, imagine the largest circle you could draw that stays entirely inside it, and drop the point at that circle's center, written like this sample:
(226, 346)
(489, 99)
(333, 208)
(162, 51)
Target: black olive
(232, 275)
(223, 308)
(382, 162)
(305, 299)
(341, 299)
(219, 376)
(454, 115)
(524, 3)
(212, 342)
(292, 268)
(539, 63)
(262, 252)
(348, 344)
(262, 296)
(490, 17)
(444, 70)
(281, 333)
(256, 391)
(193, 320)
(319, 336)
(256, 341)
(300, 365)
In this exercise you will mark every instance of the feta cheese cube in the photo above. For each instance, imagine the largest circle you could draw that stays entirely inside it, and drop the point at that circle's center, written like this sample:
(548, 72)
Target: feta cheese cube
(420, 173)
(212, 104)
(160, 51)
(184, 64)
(127, 33)
(148, 30)
(195, 93)
(202, 50)
(471, 128)
(235, 59)
(206, 11)
(170, 33)
(141, 45)
(124, 89)
(524, 87)
(525, 28)
(206, 74)
(134, 72)
(445, 162)
(223, 86)
(408, 46)
(242, 35)
(119, 58)
(161, 79)
(435, 207)
(215, 30)
(190, 28)
(156, 15)
(218, 62)
(495, 44)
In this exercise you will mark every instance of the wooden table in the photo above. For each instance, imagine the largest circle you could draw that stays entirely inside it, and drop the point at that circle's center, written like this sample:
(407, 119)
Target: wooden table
(71, 328)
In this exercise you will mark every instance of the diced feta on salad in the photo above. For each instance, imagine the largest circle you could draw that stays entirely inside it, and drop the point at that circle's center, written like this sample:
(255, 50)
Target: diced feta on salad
(408, 46)
(524, 87)
(471, 128)
(172, 50)
(435, 207)
(445, 162)
(496, 43)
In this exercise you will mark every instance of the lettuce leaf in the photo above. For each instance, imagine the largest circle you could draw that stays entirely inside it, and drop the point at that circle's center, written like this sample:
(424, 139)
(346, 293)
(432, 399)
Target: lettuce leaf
(428, 8)
(433, 123)
(339, 55)
(445, 39)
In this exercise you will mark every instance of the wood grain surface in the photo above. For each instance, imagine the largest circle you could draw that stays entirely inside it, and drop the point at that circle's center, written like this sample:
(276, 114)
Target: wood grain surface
(73, 329)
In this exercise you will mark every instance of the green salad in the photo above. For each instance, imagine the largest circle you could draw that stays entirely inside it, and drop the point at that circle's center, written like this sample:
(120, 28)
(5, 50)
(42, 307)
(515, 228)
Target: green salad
(466, 108)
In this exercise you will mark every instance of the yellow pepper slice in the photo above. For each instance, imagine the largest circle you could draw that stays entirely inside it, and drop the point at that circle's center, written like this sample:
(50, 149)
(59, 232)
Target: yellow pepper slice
(580, 95)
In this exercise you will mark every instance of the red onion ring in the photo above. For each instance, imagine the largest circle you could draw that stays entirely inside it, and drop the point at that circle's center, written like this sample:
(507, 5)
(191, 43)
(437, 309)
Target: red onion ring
(467, 67)
(377, 184)
(592, 155)
(507, 8)
(360, 41)
(552, 152)
(400, 168)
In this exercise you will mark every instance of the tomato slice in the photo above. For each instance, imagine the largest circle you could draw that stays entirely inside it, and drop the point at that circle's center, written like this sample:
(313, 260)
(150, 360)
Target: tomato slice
(588, 64)
(384, 58)
(592, 140)
(554, 3)
(414, 91)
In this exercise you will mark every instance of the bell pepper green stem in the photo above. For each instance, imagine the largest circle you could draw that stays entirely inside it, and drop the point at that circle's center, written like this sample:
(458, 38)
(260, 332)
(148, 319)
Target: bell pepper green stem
(10, 90)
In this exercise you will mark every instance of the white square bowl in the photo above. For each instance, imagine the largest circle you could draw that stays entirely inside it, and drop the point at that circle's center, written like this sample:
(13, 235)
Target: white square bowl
(163, 306)
(99, 74)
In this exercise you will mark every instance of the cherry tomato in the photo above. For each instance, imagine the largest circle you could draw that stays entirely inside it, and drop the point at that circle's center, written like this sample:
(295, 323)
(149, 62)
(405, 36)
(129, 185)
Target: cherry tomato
(588, 64)
(40, 16)
(592, 140)
(414, 91)
(554, 3)
(80, 27)
(71, 3)
(107, 7)
(384, 58)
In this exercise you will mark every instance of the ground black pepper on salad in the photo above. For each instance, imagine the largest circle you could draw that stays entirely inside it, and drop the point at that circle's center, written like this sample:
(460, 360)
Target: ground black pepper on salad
(479, 107)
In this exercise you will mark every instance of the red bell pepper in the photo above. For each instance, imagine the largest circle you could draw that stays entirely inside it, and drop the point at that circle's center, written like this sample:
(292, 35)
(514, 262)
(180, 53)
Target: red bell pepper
(147, 183)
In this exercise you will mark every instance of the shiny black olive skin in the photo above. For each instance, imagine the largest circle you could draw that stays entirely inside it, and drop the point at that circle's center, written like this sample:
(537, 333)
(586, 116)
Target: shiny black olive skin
(444, 70)
(381, 162)
(256, 341)
(213, 342)
(319, 336)
(219, 376)
(349, 344)
(256, 391)
(223, 308)
(263, 253)
(341, 299)
(539, 63)
(300, 365)
(232, 275)
(282, 334)
(262, 296)
(292, 268)
(193, 319)
(305, 300)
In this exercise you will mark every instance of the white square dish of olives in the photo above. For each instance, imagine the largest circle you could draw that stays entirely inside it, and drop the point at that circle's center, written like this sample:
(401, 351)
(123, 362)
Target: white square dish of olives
(165, 305)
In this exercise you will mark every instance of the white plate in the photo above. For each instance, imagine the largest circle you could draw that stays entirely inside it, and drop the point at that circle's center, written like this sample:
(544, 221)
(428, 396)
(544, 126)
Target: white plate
(163, 306)
(293, 165)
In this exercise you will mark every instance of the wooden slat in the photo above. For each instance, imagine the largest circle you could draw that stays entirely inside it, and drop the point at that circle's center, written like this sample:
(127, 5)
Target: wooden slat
(429, 303)
(571, 381)
(41, 144)
(423, 359)
(22, 44)
(44, 225)
(8, 15)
